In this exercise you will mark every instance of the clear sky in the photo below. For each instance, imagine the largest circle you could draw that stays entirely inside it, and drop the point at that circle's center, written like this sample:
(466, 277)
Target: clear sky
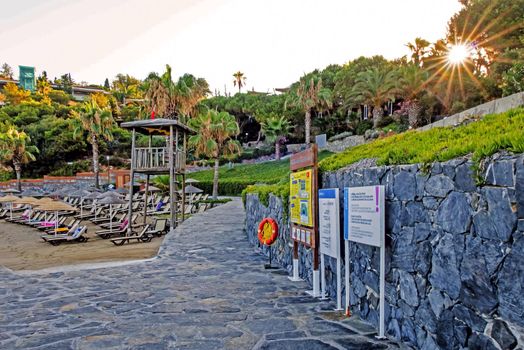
(272, 41)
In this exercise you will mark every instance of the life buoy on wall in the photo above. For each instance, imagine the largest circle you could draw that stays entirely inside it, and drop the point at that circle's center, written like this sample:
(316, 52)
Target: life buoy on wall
(267, 231)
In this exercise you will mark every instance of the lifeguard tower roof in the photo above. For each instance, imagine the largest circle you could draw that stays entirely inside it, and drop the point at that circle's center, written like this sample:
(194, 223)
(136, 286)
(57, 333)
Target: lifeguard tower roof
(158, 126)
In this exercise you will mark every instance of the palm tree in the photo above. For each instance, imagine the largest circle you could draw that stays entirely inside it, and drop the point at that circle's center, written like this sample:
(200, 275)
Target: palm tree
(15, 148)
(240, 80)
(309, 95)
(189, 92)
(276, 129)
(413, 79)
(161, 93)
(98, 123)
(419, 49)
(374, 87)
(214, 139)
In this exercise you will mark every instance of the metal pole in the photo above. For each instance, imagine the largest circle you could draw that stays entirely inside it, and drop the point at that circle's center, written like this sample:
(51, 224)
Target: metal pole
(346, 268)
(131, 180)
(172, 180)
(145, 198)
(382, 288)
(339, 286)
(322, 277)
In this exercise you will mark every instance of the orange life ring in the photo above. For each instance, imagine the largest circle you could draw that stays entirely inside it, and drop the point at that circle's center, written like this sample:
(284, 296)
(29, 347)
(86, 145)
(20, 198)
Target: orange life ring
(267, 231)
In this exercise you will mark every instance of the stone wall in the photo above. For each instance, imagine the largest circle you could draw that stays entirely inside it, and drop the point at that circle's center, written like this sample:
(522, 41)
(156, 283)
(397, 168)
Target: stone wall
(454, 256)
(340, 145)
(496, 106)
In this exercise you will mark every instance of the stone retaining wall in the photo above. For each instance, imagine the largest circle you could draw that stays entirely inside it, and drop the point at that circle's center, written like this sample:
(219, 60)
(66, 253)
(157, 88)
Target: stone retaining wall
(341, 145)
(454, 257)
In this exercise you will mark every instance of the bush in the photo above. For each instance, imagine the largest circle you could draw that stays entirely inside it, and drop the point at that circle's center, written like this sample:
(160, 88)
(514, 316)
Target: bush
(363, 126)
(395, 127)
(5, 175)
(66, 169)
(483, 138)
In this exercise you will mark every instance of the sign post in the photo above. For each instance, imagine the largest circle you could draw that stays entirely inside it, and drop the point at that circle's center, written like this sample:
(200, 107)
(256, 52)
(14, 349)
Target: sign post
(303, 212)
(364, 222)
(329, 228)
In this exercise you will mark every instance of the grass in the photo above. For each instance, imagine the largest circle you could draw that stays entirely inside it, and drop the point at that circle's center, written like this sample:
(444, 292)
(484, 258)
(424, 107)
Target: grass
(232, 181)
(480, 139)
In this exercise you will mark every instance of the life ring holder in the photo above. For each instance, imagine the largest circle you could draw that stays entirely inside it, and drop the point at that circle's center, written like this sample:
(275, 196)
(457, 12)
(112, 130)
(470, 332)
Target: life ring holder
(263, 234)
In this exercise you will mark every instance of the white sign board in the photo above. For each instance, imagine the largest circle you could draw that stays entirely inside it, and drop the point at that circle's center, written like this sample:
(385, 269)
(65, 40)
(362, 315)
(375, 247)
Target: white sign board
(364, 222)
(329, 222)
(364, 215)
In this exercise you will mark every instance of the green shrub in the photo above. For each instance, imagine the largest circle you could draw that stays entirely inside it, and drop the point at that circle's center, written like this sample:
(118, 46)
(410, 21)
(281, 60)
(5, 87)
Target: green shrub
(363, 126)
(481, 139)
(5, 175)
(71, 169)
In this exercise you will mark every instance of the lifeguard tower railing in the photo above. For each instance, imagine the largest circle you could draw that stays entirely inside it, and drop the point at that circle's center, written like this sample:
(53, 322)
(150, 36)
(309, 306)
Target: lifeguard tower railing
(170, 159)
(156, 159)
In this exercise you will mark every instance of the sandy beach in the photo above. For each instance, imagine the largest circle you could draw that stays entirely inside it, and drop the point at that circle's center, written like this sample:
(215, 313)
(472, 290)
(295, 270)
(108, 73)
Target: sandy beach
(21, 248)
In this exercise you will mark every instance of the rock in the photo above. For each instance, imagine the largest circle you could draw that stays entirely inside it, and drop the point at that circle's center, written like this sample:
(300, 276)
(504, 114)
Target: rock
(461, 332)
(519, 187)
(297, 344)
(502, 335)
(422, 231)
(405, 186)
(431, 203)
(407, 333)
(439, 302)
(423, 258)
(408, 289)
(421, 180)
(477, 290)
(425, 317)
(511, 284)
(445, 335)
(429, 344)
(393, 329)
(404, 251)
(439, 186)
(392, 216)
(414, 212)
(520, 225)
(500, 173)
(481, 342)
(444, 273)
(469, 317)
(499, 221)
(454, 213)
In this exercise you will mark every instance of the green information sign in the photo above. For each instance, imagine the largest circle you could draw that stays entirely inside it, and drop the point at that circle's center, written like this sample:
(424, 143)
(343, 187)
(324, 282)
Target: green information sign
(27, 78)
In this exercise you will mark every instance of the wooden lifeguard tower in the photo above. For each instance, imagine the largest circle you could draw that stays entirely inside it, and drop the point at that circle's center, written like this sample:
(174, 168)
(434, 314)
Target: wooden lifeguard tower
(170, 159)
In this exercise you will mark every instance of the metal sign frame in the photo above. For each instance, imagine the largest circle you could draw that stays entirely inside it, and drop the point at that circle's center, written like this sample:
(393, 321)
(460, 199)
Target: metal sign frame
(330, 197)
(371, 207)
(301, 234)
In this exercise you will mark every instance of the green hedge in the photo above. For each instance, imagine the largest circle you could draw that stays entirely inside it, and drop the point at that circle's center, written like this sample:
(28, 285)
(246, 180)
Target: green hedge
(482, 138)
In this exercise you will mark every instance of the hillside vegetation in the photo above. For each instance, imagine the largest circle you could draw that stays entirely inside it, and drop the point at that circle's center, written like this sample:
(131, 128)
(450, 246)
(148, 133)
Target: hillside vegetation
(480, 139)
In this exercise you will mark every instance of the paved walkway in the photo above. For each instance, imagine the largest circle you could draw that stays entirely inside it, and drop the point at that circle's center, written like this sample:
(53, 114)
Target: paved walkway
(206, 290)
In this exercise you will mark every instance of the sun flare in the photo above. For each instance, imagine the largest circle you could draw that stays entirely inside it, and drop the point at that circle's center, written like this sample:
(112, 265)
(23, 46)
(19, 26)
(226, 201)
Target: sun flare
(458, 54)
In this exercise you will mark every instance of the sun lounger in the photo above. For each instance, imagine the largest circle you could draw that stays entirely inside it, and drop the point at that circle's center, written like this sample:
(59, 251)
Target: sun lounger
(159, 228)
(143, 236)
(117, 231)
(77, 236)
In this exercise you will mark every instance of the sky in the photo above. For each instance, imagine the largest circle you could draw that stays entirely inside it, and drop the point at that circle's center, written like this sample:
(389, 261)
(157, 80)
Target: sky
(273, 42)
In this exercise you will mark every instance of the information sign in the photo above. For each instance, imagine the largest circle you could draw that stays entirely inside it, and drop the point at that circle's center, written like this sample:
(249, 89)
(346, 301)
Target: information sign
(301, 197)
(364, 215)
(364, 218)
(329, 222)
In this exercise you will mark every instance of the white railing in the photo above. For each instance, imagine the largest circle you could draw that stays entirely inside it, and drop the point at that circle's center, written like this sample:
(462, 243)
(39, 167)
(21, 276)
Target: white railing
(157, 158)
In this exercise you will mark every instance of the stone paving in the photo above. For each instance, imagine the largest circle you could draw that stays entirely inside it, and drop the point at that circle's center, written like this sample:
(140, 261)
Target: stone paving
(207, 289)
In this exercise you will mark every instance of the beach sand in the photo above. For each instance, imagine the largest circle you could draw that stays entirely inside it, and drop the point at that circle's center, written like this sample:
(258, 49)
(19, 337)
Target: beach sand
(21, 248)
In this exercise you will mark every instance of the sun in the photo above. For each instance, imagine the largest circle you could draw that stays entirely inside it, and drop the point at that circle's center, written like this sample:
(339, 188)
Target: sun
(458, 54)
